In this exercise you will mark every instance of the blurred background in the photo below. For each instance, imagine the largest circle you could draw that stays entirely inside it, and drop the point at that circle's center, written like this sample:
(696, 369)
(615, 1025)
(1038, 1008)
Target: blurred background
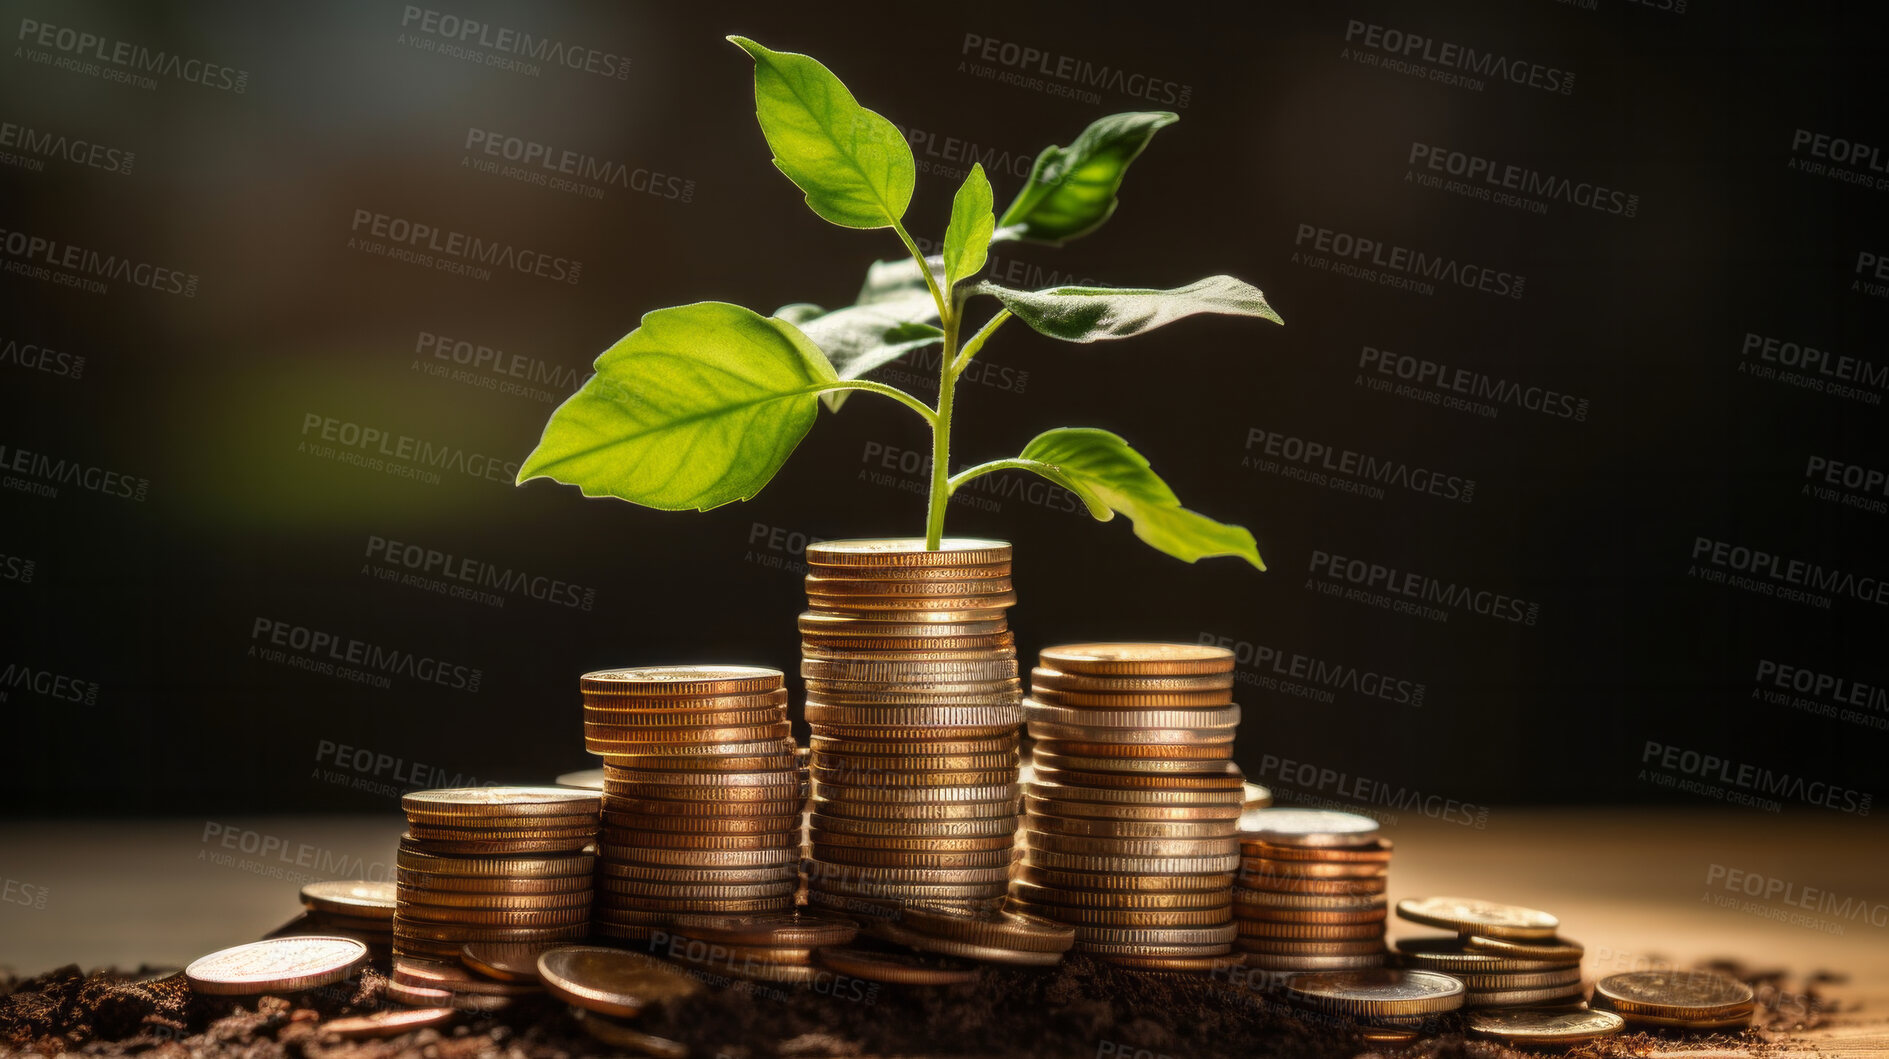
(1631, 421)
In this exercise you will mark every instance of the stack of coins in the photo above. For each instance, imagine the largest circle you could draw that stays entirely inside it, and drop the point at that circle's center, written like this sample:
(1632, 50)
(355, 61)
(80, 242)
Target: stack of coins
(1311, 890)
(493, 864)
(973, 934)
(1378, 996)
(765, 948)
(359, 909)
(1134, 800)
(701, 795)
(1505, 955)
(1682, 1000)
(915, 706)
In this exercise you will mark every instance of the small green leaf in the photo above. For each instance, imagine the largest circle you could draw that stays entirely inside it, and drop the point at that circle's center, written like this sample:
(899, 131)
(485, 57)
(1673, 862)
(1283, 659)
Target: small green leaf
(697, 407)
(967, 239)
(854, 166)
(898, 279)
(859, 338)
(1090, 314)
(1100, 466)
(1072, 189)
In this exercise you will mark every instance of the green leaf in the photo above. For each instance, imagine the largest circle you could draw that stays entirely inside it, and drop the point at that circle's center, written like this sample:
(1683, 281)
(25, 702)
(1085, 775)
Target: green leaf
(854, 165)
(1100, 466)
(859, 338)
(1090, 314)
(697, 407)
(1072, 189)
(799, 313)
(898, 279)
(967, 238)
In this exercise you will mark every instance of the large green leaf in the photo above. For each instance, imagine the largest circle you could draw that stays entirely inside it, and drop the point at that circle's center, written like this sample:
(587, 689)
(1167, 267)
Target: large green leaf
(1101, 468)
(1091, 314)
(697, 407)
(967, 238)
(859, 338)
(854, 165)
(1072, 189)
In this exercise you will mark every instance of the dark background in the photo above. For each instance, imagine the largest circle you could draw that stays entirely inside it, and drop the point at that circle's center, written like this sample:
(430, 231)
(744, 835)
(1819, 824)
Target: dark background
(147, 608)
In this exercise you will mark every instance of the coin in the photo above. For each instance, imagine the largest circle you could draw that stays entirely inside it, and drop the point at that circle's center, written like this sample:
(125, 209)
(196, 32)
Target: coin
(1307, 827)
(360, 898)
(1493, 998)
(455, 978)
(786, 929)
(278, 965)
(617, 1035)
(1097, 702)
(611, 981)
(1534, 1027)
(1452, 956)
(1469, 915)
(583, 779)
(506, 960)
(1193, 736)
(900, 934)
(907, 552)
(1056, 680)
(1295, 963)
(898, 968)
(1206, 717)
(1680, 995)
(1138, 659)
(1556, 949)
(427, 997)
(993, 929)
(453, 804)
(387, 1023)
(682, 680)
(1377, 992)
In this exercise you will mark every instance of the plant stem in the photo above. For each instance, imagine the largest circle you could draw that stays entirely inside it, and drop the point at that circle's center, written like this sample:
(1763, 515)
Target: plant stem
(906, 399)
(941, 435)
(976, 341)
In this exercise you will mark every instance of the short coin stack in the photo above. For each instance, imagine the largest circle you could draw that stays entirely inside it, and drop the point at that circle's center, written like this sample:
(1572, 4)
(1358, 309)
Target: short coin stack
(701, 796)
(1134, 801)
(360, 909)
(1683, 1000)
(1378, 996)
(493, 864)
(915, 707)
(777, 947)
(1310, 893)
(1505, 955)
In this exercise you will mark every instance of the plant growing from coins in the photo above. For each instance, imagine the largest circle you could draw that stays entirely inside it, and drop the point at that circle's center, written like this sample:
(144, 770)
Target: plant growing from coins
(703, 403)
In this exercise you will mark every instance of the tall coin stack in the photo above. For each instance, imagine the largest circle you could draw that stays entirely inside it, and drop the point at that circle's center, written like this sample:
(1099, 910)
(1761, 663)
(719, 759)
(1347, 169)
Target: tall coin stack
(915, 706)
(701, 794)
(493, 864)
(1134, 801)
(1311, 890)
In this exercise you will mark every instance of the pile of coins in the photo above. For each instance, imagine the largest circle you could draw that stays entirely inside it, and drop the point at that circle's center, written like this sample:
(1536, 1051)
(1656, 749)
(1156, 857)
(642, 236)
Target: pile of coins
(1310, 891)
(1388, 997)
(1134, 801)
(701, 794)
(493, 864)
(914, 704)
(776, 948)
(361, 909)
(1505, 955)
(974, 934)
(1683, 1000)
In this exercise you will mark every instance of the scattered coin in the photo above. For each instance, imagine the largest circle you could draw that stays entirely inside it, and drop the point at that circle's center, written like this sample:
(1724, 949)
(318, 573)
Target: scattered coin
(1681, 999)
(504, 960)
(1537, 1027)
(1377, 992)
(360, 899)
(277, 965)
(618, 1035)
(1473, 916)
(388, 1023)
(898, 968)
(611, 981)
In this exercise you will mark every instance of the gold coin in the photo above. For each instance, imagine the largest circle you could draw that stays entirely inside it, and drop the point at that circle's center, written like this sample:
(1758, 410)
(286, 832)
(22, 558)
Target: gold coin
(1040, 729)
(415, 859)
(898, 968)
(708, 875)
(628, 1038)
(828, 872)
(1451, 956)
(857, 794)
(978, 712)
(618, 775)
(828, 758)
(502, 846)
(454, 978)
(1556, 949)
(1137, 659)
(710, 766)
(641, 740)
(629, 708)
(1130, 917)
(474, 885)
(968, 572)
(605, 727)
(1227, 779)
(278, 965)
(1181, 964)
(824, 839)
(710, 753)
(1307, 827)
(1111, 845)
(1378, 851)
(1469, 915)
(783, 839)
(1301, 931)
(415, 913)
(1377, 993)
(849, 806)
(1221, 815)
(497, 902)
(683, 815)
(1374, 913)
(612, 981)
(1303, 947)
(360, 898)
(1277, 962)
(1056, 680)
(464, 805)
(1128, 752)
(428, 998)
(1133, 881)
(1265, 900)
(929, 859)
(842, 656)
(848, 589)
(986, 828)
(772, 800)
(611, 885)
(1069, 793)
(1149, 767)
(940, 693)
(835, 630)
(1536, 1027)
(1208, 935)
(785, 930)
(1257, 872)
(900, 934)
(1037, 896)
(879, 552)
(1502, 998)
(1680, 995)
(682, 680)
(1205, 718)
(898, 892)
(952, 617)
(700, 858)
(1559, 976)
(984, 670)
(1104, 827)
(849, 730)
(1113, 702)
(1282, 884)
(405, 927)
(386, 1023)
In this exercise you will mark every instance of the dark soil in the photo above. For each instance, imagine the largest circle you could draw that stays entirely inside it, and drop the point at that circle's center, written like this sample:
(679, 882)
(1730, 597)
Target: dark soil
(1080, 1010)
